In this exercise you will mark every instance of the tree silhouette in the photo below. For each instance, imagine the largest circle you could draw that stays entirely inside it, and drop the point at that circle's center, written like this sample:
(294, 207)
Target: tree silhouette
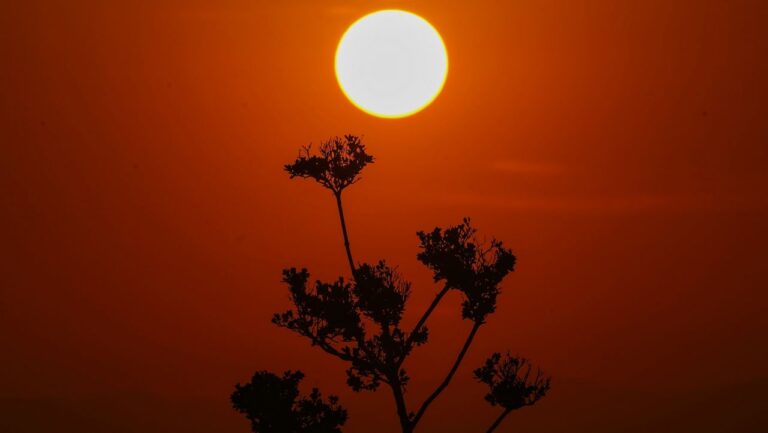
(358, 320)
(272, 405)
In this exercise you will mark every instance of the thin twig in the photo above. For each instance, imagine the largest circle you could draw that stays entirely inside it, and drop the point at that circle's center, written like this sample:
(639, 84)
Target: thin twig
(450, 375)
(498, 421)
(421, 323)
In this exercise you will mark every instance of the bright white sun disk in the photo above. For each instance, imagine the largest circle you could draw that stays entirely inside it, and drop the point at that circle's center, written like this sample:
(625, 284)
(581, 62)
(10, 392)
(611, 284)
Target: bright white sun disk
(391, 63)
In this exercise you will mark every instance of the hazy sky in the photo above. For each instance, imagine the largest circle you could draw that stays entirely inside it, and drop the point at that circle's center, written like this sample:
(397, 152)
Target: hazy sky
(619, 148)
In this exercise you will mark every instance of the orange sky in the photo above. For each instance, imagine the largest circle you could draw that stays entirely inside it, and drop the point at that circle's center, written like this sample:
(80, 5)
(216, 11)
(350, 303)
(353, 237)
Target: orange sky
(620, 149)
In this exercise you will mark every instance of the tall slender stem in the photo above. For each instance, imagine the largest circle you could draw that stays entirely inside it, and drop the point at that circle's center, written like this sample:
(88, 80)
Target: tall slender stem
(344, 232)
(394, 380)
(498, 421)
(450, 375)
(402, 410)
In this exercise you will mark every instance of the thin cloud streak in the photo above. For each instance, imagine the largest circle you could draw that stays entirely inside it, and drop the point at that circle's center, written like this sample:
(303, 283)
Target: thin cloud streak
(600, 204)
(525, 167)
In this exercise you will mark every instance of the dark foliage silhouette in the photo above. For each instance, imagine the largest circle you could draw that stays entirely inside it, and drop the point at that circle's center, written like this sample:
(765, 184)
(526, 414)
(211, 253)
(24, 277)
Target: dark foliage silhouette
(510, 384)
(338, 165)
(272, 405)
(359, 320)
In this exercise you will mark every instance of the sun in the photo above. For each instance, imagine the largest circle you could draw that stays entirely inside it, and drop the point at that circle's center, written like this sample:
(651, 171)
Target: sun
(391, 63)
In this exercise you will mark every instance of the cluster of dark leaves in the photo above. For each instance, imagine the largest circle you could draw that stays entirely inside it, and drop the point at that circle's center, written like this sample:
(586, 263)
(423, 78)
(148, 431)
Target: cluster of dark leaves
(336, 166)
(511, 383)
(325, 311)
(272, 404)
(334, 316)
(455, 256)
(381, 293)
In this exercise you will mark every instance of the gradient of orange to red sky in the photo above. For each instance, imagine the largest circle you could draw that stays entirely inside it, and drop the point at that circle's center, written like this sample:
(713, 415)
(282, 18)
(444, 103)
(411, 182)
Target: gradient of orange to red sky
(620, 148)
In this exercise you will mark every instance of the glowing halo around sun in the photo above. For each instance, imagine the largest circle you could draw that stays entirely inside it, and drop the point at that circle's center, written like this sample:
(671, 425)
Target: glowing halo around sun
(391, 63)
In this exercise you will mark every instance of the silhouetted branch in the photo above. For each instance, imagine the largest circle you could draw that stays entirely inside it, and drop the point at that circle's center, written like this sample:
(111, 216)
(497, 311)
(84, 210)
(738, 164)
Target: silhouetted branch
(330, 349)
(417, 334)
(344, 232)
(451, 373)
(498, 421)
